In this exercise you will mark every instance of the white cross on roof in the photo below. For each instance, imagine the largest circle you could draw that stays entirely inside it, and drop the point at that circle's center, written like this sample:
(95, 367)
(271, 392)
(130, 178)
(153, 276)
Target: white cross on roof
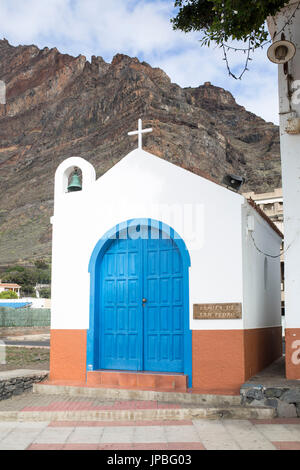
(140, 133)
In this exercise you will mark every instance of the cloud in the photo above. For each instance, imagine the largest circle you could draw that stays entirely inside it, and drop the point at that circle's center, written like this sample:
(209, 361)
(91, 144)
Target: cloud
(139, 28)
(257, 91)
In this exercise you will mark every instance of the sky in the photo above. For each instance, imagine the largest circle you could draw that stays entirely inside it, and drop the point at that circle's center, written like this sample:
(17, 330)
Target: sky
(142, 29)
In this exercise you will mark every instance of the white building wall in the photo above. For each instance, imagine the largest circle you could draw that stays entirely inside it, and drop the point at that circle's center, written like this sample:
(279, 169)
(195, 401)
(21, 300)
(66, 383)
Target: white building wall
(289, 106)
(261, 273)
(290, 148)
(206, 215)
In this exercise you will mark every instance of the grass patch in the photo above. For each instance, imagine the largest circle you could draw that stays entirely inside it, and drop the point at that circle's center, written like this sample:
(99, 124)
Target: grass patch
(26, 358)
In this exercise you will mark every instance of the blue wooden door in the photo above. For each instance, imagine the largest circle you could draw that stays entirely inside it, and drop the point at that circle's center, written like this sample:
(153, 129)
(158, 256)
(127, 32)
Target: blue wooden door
(163, 311)
(121, 323)
(141, 297)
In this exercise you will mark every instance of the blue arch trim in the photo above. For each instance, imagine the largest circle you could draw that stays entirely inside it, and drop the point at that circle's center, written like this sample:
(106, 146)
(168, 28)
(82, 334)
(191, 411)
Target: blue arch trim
(94, 263)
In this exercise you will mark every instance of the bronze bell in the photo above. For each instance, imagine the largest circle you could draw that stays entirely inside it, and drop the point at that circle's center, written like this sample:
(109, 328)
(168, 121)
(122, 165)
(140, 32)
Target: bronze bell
(75, 183)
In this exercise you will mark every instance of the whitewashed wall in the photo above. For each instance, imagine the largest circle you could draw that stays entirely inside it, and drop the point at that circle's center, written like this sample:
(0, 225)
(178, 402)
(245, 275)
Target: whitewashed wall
(290, 148)
(261, 273)
(289, 107)
(142, 185)
(209, 218)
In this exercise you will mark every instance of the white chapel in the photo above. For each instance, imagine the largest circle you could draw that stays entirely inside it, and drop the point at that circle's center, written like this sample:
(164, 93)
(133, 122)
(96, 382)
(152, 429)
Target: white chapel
(161, 279)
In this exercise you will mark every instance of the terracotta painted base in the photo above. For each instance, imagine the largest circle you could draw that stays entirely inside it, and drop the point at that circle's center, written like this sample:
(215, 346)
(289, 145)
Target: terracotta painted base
(262, 346)
(292, 353)
(138, 381)
(68, 355)
(223, 360)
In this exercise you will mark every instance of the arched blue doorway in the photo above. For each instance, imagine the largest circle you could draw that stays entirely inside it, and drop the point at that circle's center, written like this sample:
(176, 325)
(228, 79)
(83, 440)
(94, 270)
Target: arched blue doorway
(139, 300)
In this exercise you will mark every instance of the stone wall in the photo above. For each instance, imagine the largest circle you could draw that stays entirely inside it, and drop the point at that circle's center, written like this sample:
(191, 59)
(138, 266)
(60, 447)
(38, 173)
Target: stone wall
(17, 382)
(285, 400)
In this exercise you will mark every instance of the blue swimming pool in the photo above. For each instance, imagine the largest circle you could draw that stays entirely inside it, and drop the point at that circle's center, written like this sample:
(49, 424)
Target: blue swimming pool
(15, 304)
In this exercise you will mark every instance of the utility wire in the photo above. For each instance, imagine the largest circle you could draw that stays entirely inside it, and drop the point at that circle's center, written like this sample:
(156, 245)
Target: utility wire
(252, 48)
(266, 254)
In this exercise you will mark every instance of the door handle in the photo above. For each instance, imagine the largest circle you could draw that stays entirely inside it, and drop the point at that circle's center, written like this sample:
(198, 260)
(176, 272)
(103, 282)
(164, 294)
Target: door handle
(144, 301)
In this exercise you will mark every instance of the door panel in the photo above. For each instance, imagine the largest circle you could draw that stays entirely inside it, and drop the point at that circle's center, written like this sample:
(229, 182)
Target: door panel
(136, 335)
(163, 312)
(120, 299)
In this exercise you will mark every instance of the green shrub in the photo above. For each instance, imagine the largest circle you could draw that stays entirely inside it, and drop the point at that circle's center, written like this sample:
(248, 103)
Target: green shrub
(15, 268)
(28, 276)
(8, 294)
(28, 291)
(41, 264)
(45, 293)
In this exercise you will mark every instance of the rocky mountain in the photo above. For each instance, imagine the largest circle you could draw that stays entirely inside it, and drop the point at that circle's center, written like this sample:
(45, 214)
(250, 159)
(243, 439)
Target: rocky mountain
(59, 106)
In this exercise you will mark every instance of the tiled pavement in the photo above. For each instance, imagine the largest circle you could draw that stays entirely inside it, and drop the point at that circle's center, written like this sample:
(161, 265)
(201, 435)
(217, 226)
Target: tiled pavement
(152, 435)
(201, 434)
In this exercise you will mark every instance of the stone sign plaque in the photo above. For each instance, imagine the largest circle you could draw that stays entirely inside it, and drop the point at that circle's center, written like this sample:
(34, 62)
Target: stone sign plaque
(229, 311)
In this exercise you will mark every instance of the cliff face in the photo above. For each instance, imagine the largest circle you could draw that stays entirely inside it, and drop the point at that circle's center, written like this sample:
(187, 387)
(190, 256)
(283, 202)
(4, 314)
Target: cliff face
(60, 106)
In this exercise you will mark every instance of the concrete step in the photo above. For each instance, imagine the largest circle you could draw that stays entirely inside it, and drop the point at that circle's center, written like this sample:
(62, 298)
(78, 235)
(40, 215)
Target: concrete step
(137, 380)
(184, 413)
(108, 394)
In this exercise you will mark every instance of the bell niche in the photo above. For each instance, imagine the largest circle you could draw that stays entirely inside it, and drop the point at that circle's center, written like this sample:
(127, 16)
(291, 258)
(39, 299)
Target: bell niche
(73, 175)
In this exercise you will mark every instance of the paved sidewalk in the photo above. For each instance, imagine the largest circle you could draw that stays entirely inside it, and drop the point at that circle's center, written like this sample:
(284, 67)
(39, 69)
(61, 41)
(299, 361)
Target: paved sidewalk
(32, 406)
(30, 402)
(152, 435)
(132, 433)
